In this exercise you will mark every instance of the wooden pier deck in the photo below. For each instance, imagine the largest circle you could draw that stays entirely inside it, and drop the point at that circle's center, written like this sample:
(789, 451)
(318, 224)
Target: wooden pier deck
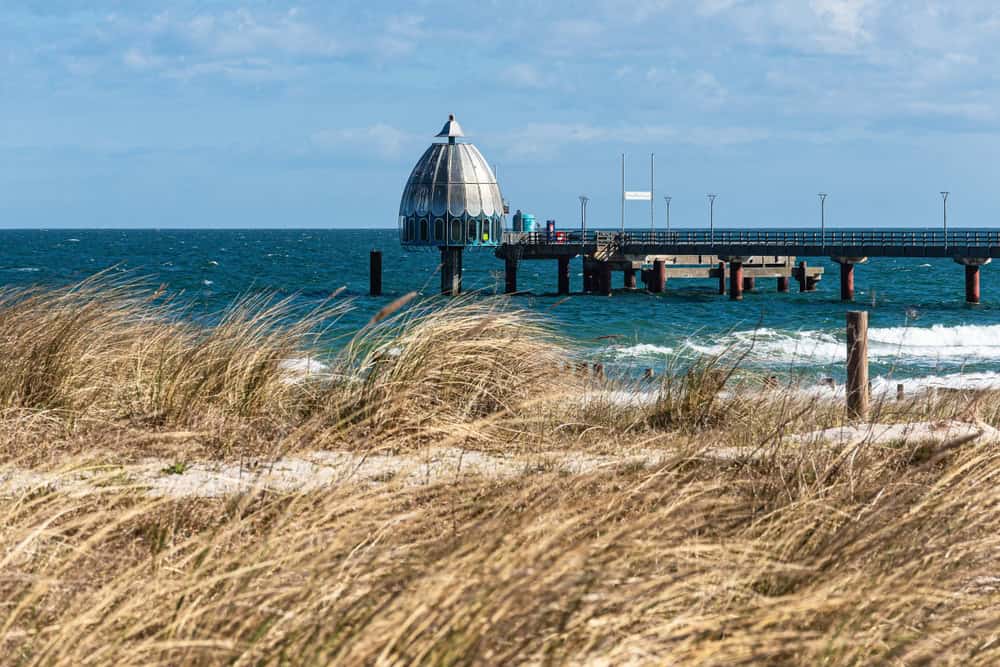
(739, 256)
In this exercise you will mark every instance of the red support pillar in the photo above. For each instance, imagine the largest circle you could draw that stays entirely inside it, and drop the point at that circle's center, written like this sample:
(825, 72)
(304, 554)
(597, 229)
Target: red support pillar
(564, 275)
(736, 281)
(972, 283)
(803, 281)
(629, 278)
(659, 276)
(783, 283)
(846, 281)
(722, 277)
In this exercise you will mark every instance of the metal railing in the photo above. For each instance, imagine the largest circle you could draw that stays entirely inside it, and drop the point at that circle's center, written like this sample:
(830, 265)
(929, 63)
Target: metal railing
(769, 238)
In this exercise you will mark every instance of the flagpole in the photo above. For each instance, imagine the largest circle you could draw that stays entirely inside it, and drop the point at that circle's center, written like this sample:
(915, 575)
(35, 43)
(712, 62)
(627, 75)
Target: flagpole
(623, 193)
(652, 199)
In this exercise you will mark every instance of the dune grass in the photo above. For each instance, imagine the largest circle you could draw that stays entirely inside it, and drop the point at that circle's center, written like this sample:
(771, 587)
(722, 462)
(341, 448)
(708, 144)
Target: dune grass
(797, 554)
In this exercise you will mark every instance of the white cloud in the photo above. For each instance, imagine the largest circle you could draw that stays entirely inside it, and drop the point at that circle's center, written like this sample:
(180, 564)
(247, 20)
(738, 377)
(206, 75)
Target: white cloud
(388, 142)
(523, 75)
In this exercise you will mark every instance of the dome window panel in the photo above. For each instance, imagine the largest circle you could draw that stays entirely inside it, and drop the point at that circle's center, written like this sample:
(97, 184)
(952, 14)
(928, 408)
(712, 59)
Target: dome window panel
(439, 229)
(423, 230)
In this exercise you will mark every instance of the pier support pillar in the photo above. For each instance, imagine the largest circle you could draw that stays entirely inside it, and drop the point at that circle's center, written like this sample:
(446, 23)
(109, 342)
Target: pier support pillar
(629, 278)
(659, 276)
(375, 273)
(722, 277)
(783, 283)
(510, 275)
(749, 283)
(451, 271)
(736, 281)
(972, 294)
(564, 275)
(589, 277)
(972, 266)
(604, 272)
(803, 280)
(847, 275)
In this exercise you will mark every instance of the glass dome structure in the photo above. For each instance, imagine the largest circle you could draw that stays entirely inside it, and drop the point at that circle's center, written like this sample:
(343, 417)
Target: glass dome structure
(451, 198)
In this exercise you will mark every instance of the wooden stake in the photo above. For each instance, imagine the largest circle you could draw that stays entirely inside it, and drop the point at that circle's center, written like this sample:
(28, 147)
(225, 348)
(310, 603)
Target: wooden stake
(375, 273)
(858, 397)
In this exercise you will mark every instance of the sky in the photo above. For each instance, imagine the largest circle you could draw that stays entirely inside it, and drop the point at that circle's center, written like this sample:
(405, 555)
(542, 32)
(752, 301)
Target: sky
(311, 114)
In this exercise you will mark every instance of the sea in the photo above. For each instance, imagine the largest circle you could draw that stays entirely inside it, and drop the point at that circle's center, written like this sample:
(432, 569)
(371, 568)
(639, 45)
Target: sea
(922, 333)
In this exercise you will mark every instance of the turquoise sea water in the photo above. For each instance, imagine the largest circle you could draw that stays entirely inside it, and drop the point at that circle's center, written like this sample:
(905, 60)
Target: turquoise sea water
(921, 329)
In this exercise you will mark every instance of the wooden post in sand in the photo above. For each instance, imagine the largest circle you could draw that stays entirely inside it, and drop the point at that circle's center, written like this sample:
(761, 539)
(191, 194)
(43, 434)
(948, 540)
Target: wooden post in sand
(375, 273)
(858, 396)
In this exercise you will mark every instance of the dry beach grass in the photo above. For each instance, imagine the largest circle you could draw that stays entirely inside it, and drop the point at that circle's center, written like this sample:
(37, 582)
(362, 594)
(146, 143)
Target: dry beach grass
(785, 552)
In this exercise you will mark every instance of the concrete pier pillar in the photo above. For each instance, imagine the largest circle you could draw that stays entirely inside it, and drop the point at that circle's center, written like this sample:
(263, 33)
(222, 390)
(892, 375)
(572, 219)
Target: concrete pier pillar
(451, 271)
(510, 275)
(722, 277)
(564, 275)
(972, 266)
(646, 275)
(783, 283)
(749, 283)
(803, 286)
(736, 281)
(659, 276)
(375, 273)
(629, 278)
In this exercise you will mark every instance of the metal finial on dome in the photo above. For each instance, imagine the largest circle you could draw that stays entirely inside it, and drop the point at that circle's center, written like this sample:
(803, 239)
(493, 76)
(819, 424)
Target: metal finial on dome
(451, 129)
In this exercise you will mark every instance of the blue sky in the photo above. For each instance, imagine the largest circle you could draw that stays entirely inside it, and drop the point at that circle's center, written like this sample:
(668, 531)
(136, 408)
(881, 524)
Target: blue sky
(267, 114)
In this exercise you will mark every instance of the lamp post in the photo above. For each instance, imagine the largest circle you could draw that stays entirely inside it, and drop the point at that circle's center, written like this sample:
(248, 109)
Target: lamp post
(583, 215)
(822, 219)
(711, 217)
(667, 199)
(944, 201)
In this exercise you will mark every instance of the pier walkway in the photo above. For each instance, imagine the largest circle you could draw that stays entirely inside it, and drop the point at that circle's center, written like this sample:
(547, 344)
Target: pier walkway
(725, 253)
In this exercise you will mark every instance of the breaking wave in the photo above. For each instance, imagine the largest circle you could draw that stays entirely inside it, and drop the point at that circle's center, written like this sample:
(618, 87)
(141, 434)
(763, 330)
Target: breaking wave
(937, 342)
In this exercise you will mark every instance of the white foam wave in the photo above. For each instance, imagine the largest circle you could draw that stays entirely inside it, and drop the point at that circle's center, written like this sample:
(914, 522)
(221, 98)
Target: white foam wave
(300, 368)
(885, 387)
(643, 350)
(937, 342)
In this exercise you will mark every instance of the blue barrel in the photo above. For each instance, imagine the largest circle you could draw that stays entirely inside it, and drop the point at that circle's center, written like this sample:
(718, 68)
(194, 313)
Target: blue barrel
(528, 222)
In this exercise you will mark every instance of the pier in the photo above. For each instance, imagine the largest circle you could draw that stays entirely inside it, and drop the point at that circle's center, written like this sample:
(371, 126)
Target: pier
(738, 258)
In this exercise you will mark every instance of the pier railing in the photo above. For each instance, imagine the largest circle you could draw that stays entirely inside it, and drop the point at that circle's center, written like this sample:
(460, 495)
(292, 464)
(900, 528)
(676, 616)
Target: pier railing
(767, 238)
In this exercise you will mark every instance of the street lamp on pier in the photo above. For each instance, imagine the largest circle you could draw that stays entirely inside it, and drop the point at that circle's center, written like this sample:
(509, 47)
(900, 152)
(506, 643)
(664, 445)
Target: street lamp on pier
(711, 216)
(667, 199)
(822, 219)
(944, 201)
